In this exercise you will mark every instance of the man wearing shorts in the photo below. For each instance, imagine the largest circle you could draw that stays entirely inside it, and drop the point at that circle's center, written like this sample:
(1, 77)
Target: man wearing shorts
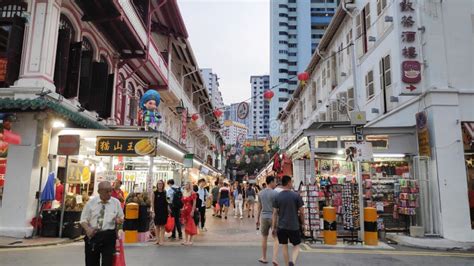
(288, 209)
(264, 218)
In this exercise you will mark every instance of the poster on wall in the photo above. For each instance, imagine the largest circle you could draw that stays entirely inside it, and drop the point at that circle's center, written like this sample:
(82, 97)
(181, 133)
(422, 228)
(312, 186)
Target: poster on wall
(359, 151)
(78, 174)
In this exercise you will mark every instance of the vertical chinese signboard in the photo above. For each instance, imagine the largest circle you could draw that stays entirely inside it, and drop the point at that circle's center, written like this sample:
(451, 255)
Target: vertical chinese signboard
(184, 125)
(410, 66)
(424, 147)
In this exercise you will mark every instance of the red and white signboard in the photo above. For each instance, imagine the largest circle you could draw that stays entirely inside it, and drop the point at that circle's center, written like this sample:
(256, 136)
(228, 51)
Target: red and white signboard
(184, 125)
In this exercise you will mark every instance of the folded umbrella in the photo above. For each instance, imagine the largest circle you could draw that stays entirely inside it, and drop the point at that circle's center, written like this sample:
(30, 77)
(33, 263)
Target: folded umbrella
(48, 191)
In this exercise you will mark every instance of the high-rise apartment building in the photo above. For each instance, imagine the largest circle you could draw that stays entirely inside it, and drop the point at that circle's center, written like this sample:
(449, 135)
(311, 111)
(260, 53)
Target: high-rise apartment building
(234, 132)
(260, 108)
(211, 80)
(230, 113)
(296, 28)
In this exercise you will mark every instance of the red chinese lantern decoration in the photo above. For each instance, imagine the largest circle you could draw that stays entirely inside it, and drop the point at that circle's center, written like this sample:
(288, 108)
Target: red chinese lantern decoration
(195, 117)
(303, 77)
(268, 95)
(217, 113)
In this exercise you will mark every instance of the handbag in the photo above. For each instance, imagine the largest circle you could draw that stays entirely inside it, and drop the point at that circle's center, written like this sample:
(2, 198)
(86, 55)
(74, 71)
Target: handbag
(169, 226)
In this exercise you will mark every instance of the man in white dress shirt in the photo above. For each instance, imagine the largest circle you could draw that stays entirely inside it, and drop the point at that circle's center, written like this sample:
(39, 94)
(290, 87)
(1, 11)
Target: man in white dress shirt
(100, 218)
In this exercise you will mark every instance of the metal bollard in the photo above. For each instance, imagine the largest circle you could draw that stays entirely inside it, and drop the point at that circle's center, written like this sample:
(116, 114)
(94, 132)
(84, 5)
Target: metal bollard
(130, 226)
(330, 226)
(370, 227)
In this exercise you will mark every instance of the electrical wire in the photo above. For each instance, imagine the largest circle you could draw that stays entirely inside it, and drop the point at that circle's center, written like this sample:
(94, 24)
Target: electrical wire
(320, 62)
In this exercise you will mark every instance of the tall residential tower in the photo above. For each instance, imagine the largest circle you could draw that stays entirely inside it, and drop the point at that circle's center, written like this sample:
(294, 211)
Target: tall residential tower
(296, 28)
(260, 108)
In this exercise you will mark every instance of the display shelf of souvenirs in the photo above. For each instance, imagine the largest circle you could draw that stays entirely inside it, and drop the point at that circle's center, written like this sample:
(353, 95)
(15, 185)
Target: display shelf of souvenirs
(311, 196)
(350, 206)
(406, 196)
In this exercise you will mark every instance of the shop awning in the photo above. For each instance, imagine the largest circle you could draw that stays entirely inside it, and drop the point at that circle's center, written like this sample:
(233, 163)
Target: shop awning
(21, 105)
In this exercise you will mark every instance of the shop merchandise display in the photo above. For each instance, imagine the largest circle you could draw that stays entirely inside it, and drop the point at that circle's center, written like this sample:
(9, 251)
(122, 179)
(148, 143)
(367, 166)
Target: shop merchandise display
(311, 196)
(350, 206)
(407, 197)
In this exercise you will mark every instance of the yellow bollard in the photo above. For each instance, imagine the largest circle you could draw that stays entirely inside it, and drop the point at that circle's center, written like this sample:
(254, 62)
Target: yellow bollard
(330, 226)
(370, 227)
(130, 226)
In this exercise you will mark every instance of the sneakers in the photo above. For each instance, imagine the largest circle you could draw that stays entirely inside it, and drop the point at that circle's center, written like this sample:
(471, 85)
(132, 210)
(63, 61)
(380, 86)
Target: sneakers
(241, 217)
(204, 229)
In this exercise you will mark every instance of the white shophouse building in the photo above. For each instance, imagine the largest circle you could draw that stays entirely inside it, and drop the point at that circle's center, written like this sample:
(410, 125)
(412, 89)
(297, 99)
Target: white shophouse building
(66, 62)
(410, 57)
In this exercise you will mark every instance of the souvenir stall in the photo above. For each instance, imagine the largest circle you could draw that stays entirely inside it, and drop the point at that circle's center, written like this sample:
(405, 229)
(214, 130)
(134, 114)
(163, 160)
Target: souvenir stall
(388, 182)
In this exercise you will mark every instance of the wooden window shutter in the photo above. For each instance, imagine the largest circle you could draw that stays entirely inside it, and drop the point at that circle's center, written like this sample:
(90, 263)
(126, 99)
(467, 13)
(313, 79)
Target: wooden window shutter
(98, 88)
(14, 49)
(73, 70)
(62, 58)
(85, 78)
(109, 97)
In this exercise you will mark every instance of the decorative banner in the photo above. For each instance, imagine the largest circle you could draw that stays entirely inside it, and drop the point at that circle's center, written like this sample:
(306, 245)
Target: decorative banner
(125, 146)
(243, 110)
(69, 144)
(424, 147)
(184, 125)
(361, 151)
(411, 66)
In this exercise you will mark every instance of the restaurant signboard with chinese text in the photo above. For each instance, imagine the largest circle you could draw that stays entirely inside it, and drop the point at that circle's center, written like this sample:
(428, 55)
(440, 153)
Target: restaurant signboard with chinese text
(409, 45)
(125, 146)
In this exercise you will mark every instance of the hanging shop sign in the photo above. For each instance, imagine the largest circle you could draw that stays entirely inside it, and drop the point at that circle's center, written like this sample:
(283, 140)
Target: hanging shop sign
(107, 175)
(361, 151)
(69, 144)
(424, 147)
(184, 127)
(243, 110)
(3, 68)
(188, 160)
(411, 66)
(125, 146)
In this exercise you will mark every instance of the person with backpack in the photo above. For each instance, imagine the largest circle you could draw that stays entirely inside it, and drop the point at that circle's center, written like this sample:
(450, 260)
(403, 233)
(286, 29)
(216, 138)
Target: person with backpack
(201, 203)
(174, 195)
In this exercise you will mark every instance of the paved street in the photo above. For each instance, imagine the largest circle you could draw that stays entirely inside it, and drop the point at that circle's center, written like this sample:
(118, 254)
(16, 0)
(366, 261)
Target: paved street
(232, 242)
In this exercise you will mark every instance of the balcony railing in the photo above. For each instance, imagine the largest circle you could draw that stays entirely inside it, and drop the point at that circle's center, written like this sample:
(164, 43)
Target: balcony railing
(132, 16)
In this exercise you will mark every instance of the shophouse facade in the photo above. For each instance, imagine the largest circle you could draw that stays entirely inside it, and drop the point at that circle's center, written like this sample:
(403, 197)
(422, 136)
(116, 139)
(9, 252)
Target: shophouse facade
(411, 57)
(86, 64)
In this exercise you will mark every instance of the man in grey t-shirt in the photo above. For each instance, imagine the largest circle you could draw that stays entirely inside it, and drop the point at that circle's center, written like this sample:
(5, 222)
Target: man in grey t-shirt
(265, 211)
(288, 208)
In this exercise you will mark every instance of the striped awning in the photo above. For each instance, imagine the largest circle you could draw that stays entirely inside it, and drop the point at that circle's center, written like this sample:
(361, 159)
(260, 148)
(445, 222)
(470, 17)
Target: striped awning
(468, 132)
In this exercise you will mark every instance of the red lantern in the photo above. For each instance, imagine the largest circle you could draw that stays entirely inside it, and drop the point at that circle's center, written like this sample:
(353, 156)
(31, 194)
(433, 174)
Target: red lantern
(303, 77)
(217, 113)
(268, 95)
(195, 117)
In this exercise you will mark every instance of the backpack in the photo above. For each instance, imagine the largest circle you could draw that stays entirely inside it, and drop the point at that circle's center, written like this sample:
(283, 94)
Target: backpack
(176, 203)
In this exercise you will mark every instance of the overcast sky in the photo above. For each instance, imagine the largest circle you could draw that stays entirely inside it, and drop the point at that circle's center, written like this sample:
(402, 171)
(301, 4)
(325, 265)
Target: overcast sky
(233, 38)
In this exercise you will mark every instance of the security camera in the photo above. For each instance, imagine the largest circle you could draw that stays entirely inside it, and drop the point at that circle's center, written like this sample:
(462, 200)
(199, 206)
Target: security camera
(327, 105)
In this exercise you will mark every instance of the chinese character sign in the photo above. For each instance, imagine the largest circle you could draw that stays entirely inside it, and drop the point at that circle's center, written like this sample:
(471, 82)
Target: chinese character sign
(410, 66)
(125, 146)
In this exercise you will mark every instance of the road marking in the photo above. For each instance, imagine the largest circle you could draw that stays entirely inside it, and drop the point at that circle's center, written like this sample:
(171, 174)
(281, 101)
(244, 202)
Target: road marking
(308, 249)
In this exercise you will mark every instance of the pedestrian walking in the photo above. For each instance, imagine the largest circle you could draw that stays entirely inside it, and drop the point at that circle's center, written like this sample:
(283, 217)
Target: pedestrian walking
(203, 195)
(118, 193)
(99, 218)
(215, 195)
(264, 218)
(189, 207)
(288, 209)
(251, 194)
(174, 196)
(160, 209)
(239, 200)
(224, 199)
